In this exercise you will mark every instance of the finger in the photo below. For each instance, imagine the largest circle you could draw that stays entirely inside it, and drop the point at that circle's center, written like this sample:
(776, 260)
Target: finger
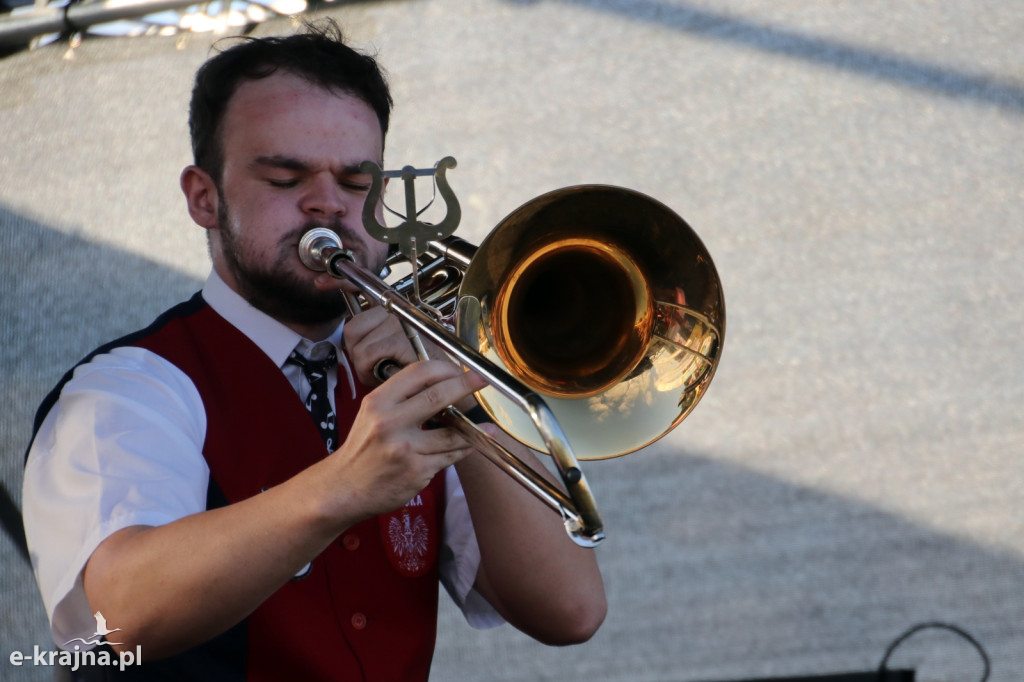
(430, 465)
(423, 389)
(490, 429)
(363, 324)
(373, 336)
(440, 441)
(437, 396)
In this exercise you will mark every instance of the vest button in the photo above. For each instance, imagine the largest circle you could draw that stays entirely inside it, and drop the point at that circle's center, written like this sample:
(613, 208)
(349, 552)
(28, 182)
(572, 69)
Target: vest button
(358, 621)
(350, 542)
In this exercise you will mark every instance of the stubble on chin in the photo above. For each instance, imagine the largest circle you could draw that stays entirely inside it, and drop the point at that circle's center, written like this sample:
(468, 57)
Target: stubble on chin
(276, 288)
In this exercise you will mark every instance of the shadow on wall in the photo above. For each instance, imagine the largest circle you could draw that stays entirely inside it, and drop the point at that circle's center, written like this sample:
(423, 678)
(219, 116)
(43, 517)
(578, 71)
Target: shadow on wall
(715, 572)
(60, 297)
(892, 67)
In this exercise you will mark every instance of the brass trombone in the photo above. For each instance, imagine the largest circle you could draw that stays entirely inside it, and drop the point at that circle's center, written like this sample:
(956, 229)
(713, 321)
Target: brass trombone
(595, 314)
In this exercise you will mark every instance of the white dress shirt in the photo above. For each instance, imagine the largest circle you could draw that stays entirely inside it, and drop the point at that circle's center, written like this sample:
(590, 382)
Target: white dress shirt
(123, 447)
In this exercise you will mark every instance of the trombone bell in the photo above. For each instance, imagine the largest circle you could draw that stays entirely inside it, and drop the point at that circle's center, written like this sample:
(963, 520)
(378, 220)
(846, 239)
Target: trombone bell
(550, 296)
(604, 302)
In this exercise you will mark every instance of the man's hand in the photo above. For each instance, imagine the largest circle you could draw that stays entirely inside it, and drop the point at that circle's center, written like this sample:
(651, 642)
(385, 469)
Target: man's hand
(374, 335)
(388, 457)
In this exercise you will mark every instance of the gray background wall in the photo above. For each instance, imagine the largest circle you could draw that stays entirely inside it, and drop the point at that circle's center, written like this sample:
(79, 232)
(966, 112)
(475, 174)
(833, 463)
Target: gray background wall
(856, 171)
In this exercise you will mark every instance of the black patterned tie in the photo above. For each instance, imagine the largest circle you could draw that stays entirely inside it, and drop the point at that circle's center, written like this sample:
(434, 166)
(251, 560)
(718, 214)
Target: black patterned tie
(317, 401)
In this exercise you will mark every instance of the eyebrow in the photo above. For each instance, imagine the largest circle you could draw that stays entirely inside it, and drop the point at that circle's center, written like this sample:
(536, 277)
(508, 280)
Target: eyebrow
(293, 164)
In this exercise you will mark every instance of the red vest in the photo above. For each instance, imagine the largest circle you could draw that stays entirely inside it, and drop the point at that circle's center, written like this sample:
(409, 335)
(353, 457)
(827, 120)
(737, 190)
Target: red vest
(366, 608)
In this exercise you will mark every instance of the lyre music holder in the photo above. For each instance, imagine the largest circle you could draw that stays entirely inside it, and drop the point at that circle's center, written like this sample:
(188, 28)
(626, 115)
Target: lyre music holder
(411, 236)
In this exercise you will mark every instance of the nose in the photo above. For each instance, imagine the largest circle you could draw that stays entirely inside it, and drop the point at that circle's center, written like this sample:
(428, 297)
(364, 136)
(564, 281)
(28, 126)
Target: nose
(324, 197)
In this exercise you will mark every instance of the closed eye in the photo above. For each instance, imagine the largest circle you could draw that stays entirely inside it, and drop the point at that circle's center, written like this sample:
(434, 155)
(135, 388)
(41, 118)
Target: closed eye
(356, 183)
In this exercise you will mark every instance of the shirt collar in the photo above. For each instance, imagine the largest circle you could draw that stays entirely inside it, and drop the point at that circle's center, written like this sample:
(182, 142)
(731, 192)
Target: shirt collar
(272, 337)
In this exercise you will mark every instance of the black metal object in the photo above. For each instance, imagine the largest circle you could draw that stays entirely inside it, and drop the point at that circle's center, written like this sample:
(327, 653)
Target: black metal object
(10, 521)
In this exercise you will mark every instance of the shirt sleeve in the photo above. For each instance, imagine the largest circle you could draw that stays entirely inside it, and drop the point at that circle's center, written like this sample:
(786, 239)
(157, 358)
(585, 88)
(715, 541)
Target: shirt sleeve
(121, 447)
(460, 558)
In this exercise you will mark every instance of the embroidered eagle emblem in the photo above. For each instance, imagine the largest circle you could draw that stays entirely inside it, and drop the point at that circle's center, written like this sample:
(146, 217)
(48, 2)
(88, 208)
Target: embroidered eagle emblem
(409, 538)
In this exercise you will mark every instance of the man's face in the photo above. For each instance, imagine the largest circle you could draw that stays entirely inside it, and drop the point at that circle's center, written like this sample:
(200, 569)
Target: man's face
(291, 154)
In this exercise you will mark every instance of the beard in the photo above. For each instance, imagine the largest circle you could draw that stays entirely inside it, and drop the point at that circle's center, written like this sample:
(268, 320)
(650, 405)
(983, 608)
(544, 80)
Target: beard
(275, 288)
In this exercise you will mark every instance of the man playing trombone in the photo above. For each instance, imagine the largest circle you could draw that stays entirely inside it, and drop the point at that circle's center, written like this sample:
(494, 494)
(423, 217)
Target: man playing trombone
(177, 484)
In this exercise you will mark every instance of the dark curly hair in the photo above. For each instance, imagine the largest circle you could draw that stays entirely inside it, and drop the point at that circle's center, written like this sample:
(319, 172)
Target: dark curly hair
(319, 54)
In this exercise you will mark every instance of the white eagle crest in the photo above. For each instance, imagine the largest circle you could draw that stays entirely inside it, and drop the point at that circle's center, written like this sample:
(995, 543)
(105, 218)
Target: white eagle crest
(408, 537)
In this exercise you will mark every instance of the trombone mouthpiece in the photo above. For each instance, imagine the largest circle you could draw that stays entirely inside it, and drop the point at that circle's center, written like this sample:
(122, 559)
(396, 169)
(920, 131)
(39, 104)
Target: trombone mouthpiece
(316, 247)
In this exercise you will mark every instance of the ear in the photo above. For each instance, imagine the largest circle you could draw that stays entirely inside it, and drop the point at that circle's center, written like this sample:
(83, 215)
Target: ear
(201, 194)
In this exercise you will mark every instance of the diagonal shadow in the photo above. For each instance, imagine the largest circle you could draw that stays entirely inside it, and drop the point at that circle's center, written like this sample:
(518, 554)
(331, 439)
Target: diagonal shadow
(60, 297)
(894, 68)
(719, 572)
